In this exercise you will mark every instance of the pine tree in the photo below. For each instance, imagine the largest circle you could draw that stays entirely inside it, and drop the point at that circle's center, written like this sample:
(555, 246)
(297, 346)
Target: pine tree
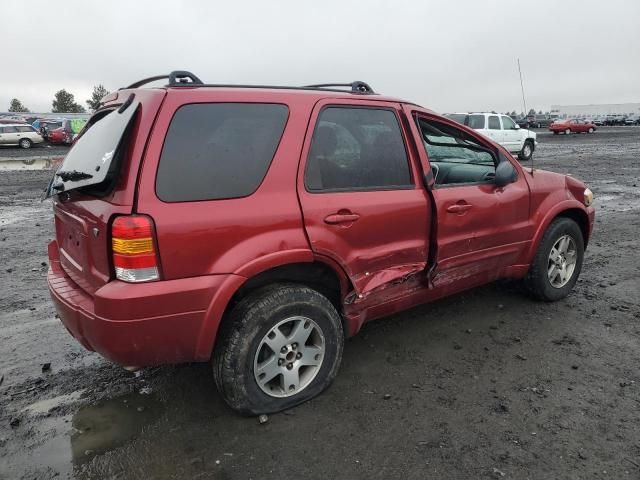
(64, 102)
(99, 92)
(17, 106)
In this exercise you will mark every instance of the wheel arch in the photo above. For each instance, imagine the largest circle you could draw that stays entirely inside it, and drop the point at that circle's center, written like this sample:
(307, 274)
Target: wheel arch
(319, 273)
(568, 209)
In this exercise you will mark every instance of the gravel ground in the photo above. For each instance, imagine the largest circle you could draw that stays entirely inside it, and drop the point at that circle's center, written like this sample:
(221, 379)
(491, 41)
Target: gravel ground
(488, 384)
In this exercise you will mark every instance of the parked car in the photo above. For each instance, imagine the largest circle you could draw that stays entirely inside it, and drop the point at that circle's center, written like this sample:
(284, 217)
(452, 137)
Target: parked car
(20, 134)
(613, 120)
(568, 126)
(598, 121)
(540, 121)
(632, 120)
(44, 126)
(501, 129)
(256, 228)
(67, 132)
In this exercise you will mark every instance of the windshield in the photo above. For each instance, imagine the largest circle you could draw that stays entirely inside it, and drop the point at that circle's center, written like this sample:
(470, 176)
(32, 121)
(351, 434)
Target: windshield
(91, 159)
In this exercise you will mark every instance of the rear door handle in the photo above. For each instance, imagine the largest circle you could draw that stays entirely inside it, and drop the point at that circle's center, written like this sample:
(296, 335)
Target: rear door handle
(335, 218)
(459, 208)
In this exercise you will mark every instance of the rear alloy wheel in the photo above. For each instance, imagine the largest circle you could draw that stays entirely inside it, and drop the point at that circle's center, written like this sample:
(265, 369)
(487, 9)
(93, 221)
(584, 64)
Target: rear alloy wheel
(591, 130)
(25, 143)
(567, 131)
(558, 261)
(527, 151)
(280, 346)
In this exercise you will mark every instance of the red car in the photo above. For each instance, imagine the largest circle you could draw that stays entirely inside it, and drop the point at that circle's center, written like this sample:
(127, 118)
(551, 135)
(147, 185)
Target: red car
(258, 227)
(571, 126)
(60, 135)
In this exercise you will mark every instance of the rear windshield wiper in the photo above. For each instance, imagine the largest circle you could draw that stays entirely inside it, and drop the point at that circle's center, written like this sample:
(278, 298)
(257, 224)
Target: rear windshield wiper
(73, 176)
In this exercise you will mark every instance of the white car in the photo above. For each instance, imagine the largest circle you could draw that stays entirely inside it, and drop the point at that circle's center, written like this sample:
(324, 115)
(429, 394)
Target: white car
(25, 136)
(501, 129)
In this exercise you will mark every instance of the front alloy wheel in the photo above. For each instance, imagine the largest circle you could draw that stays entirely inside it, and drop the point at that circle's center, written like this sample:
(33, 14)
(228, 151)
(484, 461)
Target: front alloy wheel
(562, 261)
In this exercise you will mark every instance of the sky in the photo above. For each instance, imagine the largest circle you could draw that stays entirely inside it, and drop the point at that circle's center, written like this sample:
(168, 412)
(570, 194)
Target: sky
(447, 56)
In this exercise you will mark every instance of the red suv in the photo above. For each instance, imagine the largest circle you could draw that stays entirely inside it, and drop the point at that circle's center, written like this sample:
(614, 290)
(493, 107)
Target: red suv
(258, 227)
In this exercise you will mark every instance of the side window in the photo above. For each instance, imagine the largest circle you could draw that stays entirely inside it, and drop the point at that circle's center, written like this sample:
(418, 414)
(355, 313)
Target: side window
(494, 122)
(218, 150)
(476, 122)
(455, 157)
(357, 149)
(25, 129)
(507, 123)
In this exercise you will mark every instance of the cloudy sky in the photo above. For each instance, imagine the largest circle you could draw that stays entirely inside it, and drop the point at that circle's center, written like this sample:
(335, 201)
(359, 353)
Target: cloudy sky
(448, 56)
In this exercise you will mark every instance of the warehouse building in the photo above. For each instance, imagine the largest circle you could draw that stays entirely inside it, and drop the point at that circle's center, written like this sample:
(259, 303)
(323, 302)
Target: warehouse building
(595, 110)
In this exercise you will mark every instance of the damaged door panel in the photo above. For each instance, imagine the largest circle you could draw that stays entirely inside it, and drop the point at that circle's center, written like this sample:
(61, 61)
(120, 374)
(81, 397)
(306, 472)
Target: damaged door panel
(360, 201)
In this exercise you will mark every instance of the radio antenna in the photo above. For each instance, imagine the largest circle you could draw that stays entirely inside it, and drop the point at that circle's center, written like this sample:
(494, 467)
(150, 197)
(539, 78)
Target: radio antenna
(524, 105)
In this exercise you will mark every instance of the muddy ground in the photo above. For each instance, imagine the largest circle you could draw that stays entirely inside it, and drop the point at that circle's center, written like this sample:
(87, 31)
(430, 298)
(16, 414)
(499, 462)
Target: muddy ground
(488, 384)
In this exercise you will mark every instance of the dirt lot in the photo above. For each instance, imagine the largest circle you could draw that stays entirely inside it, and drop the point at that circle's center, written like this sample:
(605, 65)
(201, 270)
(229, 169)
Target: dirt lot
(488, 384)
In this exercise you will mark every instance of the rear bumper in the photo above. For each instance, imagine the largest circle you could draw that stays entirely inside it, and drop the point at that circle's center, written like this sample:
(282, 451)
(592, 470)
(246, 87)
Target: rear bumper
(140, 324)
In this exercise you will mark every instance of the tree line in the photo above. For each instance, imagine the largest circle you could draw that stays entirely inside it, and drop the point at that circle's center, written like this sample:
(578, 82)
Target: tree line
(64, 102)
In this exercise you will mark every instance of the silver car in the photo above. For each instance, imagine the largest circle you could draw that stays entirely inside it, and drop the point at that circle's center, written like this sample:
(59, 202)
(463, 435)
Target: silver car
(24, 136)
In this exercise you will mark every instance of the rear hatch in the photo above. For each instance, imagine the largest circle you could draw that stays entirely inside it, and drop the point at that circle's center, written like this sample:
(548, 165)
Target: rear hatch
(97, 181)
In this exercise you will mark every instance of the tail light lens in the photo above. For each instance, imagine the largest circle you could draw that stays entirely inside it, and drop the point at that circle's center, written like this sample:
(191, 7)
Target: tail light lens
(134, 252)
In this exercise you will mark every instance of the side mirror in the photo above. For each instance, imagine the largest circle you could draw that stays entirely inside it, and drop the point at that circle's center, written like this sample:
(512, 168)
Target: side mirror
(505, 173)
(517, 127)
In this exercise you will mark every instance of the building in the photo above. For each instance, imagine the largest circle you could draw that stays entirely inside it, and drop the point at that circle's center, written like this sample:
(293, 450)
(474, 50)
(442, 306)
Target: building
(595, 110)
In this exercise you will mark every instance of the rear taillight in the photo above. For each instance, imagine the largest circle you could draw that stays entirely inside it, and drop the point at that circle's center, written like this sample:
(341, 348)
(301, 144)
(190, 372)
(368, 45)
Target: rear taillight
(134, 252)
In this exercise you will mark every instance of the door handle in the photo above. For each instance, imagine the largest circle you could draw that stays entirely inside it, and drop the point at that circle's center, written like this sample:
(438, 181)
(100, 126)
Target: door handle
(335, 218)
(459, 208)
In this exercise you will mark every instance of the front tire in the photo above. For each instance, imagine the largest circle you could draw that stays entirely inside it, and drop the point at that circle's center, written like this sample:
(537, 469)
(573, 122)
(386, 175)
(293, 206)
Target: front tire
(280, 346)
(557, 262)
(25, 143)
(527, 151)
(567, 131)
(591, 130)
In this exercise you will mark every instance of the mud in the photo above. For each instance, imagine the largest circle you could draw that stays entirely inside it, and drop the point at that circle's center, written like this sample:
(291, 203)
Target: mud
(488, 384)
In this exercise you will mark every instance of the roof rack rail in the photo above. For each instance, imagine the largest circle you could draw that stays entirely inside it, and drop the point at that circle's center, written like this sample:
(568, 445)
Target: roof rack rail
(176, 78)
(356, 87)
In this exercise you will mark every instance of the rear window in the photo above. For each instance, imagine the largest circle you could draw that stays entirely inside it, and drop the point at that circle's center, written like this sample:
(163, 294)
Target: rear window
(216, 151)
(94, 159)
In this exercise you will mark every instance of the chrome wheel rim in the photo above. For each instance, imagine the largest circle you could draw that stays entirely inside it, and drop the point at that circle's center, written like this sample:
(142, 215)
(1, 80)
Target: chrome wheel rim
(527, 150)
(289, 357)
(562, 261)
(567, 131)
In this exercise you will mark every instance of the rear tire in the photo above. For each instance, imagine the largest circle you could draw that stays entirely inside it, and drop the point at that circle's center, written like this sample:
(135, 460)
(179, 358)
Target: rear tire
(547, 279)
(261, 321)
(25, 143)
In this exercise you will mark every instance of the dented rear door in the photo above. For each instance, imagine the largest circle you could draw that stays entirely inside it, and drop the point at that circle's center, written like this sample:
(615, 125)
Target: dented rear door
(360, 192)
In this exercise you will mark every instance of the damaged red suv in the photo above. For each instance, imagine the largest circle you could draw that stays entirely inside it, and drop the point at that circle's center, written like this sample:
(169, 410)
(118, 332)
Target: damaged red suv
(258, 227)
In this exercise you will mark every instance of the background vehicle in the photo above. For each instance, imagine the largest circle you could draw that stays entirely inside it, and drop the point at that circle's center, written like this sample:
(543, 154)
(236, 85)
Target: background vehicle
(67, 132)
(632, 120)
(540, 121)
(571, 126)
(165, 252)
(25, 136)
(44, 126)
(613, 120)
(501, 129)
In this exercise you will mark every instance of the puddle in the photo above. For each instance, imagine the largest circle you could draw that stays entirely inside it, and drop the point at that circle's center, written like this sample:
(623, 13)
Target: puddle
(58, 444)
(110, 424)
(34, 163)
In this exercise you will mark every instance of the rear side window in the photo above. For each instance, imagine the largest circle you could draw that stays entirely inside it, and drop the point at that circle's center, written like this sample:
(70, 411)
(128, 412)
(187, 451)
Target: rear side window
(476, 122)
(357, 149)
(26, 129)
(218, 150)
(494, 123)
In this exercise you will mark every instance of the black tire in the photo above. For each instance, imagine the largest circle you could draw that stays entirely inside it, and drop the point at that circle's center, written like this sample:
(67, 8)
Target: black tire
(25, 143)
(537, 280)
(555, 132)
(526, 153)
(242, 332)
